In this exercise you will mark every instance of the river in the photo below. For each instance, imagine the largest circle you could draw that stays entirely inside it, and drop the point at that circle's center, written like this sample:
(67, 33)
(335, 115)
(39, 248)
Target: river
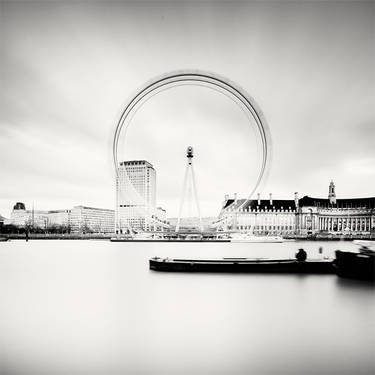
(94, 307)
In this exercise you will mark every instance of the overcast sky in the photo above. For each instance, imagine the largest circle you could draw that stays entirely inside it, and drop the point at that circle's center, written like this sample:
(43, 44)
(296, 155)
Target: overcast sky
(67, 70)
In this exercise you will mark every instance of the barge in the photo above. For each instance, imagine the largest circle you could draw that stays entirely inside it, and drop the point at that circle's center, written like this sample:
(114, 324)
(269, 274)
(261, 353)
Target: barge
(115, 239)
(243, 265)
(353, 265)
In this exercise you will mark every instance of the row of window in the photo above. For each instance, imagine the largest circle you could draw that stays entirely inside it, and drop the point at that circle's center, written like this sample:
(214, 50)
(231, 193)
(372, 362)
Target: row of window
(266, 227)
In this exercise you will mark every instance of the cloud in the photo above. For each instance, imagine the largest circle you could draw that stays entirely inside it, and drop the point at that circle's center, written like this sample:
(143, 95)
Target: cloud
(67, 69)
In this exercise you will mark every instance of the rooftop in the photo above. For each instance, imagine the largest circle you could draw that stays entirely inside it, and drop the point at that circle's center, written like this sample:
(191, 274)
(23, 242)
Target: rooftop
(368, 202)
(94, 208)
(277, 204)
(136, 162)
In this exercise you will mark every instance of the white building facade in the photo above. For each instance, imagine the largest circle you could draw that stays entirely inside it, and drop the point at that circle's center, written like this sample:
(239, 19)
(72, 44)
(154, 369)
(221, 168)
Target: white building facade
(259, 217)
(136, 198)
(301, 217)
(79, 219)
(38, 218)
(92, 220)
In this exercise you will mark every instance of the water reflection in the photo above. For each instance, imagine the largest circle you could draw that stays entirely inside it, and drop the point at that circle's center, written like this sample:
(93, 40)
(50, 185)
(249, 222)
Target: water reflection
(352, 284)
(87, 307)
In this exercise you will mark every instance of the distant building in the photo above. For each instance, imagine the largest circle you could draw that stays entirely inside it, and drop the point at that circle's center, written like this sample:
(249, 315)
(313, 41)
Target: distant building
(193, 223)
(19, 206)
(305, 216)
(79, 219)
(136, 198)
(38, 218)
(89, 219)
(345, 216)
(260, 216)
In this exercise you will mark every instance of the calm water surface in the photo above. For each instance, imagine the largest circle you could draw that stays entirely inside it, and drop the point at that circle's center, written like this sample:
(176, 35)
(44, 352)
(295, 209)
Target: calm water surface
(93, 307)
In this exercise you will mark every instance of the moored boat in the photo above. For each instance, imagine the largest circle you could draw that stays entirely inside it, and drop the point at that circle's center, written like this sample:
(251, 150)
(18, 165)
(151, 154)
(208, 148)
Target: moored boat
(168, 239)
(360, 265)
(260, 265)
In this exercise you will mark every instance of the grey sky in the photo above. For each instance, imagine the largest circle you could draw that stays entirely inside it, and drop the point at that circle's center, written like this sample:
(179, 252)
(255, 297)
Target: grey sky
(67, 69)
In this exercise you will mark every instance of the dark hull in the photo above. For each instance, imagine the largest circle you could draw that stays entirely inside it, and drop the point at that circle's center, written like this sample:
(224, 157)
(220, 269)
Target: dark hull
(243, 266)
(355, 265)
(162, 240)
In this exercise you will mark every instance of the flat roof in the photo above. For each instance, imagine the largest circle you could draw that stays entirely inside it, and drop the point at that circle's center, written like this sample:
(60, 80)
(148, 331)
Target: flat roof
(94, 208)
(136, 162)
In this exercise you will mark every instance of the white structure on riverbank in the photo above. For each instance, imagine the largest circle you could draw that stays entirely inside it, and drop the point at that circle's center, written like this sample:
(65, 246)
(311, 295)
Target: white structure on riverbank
(90, 219)
(79, 219)
(305, 216)
(259, 217)
(136, 198)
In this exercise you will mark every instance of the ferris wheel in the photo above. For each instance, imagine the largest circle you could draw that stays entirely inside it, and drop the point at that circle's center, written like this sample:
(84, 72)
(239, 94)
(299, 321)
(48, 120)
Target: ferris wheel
(211, 81)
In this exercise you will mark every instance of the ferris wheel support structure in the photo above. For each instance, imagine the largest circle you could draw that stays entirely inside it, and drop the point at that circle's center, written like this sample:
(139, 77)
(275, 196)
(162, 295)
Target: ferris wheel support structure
(212, 81)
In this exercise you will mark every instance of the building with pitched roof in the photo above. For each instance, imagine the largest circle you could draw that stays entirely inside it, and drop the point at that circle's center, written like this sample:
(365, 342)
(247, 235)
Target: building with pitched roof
(259, 216)
(343, 216)
(305, 216)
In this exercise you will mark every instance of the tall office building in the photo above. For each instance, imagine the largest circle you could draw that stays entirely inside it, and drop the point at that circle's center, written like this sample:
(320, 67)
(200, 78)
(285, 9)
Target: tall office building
(136, 196)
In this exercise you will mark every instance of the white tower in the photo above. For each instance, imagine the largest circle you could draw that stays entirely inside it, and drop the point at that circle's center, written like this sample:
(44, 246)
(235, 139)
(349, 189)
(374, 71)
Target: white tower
(189, 187)
(331, 193)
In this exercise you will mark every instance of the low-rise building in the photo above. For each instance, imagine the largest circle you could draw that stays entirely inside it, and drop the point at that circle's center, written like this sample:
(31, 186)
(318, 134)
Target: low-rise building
(344, 217)
(260, 217)
(79, 219)
(22, 217)
(92, 220)
(193, 223)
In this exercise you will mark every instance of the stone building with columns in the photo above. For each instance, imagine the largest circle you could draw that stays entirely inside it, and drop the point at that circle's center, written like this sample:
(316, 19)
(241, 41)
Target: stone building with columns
(259, 216)
(306, 216)
(353, 216)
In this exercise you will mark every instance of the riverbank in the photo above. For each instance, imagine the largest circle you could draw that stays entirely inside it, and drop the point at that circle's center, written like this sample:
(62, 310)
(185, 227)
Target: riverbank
(48, 236)
(332, 237)
(100, 236)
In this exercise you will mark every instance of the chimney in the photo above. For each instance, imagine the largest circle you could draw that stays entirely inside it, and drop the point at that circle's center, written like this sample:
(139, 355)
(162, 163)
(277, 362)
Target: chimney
(270, 199)
(296, 199)
(258, 199)
(235, 197)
